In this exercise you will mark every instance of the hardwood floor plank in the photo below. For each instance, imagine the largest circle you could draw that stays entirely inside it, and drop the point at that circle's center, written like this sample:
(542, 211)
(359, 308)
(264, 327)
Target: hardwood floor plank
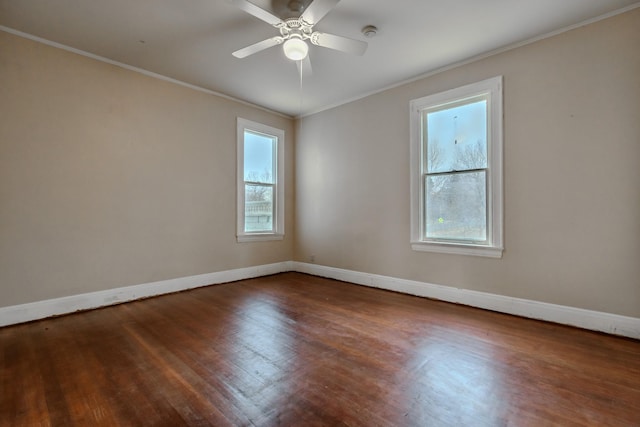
(298, 350)
(23, 401)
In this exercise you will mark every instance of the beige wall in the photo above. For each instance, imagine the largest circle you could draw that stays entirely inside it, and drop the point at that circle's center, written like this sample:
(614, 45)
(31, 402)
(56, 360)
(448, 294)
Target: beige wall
(572, 176)
(111, 178)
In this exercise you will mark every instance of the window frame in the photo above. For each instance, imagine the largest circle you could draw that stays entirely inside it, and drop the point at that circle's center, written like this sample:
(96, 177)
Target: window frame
(277, 233)
(494, 246)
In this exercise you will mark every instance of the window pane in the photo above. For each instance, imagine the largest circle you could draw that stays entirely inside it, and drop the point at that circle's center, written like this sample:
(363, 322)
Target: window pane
(258, 208)
(456, 206)
(457, 138)
(258, 157)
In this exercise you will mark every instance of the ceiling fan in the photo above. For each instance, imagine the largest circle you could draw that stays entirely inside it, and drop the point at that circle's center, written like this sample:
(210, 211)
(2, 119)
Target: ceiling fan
(296, 32)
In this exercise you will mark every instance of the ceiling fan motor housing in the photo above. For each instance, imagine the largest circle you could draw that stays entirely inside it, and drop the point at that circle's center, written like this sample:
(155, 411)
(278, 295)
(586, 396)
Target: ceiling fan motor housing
(297, 28)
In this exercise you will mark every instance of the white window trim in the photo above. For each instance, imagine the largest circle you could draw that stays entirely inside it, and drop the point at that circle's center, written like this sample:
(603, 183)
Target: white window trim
(495, 246)
(278, 218)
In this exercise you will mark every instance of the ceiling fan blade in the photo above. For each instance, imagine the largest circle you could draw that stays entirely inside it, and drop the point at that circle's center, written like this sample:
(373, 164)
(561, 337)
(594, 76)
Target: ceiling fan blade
(257, 47)
(258, 12)
(343, 44)
(304, 66)
(317, 10)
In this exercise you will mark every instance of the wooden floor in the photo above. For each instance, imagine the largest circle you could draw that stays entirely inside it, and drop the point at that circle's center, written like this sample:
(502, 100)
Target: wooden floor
(297, 350)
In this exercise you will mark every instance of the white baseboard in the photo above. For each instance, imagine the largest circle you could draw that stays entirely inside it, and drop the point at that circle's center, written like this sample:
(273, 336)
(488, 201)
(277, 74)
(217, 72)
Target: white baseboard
(65, 305)
(586, 319)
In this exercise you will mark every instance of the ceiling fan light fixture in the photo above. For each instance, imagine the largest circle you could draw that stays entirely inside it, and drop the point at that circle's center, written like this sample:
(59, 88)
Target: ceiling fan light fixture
(295, 49)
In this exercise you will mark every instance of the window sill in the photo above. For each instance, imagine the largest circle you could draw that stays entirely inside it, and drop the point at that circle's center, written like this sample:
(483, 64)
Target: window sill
(247, 238)
(458, 249)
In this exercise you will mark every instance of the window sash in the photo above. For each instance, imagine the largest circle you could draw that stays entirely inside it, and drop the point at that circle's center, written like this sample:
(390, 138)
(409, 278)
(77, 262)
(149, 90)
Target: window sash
(253, 206)
(486, 213)
(274, 155)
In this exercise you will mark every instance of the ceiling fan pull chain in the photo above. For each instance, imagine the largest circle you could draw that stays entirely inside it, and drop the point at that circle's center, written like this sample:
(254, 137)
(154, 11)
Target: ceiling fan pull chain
(301, 73)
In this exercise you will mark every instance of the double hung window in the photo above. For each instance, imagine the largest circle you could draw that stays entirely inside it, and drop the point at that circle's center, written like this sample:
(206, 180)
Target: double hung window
(260, 182)
(456, 170)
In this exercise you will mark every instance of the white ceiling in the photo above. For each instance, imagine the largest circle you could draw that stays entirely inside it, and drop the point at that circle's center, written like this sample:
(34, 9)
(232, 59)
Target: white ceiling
(192, 40)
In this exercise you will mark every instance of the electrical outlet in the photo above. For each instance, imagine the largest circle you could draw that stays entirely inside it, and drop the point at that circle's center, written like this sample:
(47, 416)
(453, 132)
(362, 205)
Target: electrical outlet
(312, 258)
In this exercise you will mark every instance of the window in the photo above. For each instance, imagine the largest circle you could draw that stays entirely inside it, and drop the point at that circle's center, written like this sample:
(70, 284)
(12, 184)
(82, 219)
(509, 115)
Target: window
(260, 182)
(456, 170)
